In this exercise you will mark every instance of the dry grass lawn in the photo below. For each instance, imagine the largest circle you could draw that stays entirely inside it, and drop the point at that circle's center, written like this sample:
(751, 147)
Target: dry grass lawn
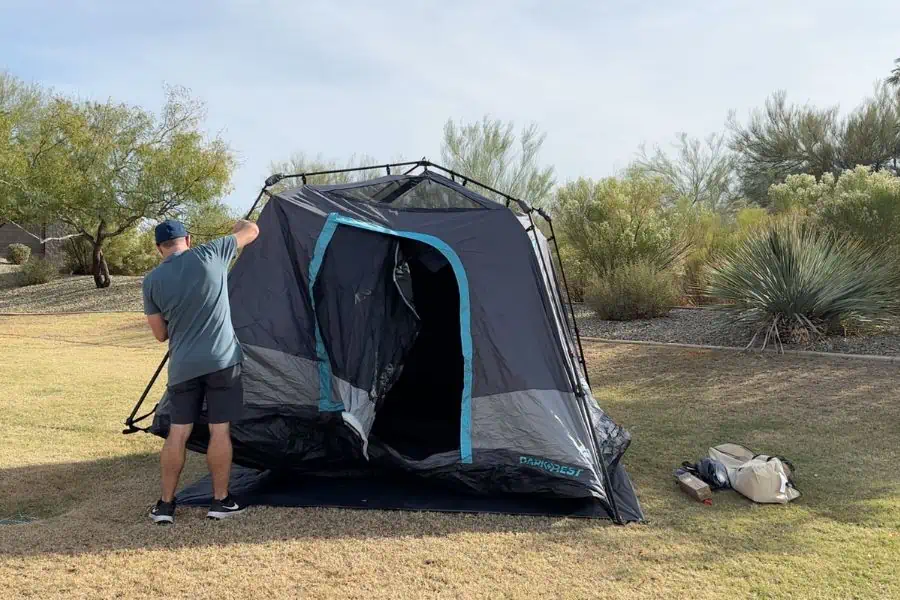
(66, 383)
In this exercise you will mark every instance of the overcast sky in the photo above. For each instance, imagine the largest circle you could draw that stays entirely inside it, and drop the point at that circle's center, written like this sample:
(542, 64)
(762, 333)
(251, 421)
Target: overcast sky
(380, 78)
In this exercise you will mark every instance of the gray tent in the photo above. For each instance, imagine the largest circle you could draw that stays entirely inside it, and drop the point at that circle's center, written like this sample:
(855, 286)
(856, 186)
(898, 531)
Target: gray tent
(412, 324)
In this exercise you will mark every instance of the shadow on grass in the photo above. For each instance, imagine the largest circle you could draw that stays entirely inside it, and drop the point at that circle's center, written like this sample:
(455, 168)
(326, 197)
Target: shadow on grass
(101, 506)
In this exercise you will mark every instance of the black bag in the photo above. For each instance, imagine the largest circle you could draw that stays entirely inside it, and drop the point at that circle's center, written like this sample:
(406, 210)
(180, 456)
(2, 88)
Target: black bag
(710, 471)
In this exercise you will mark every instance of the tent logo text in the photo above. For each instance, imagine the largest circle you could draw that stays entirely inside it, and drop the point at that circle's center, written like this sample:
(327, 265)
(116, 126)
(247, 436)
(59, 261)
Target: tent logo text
(549, 466)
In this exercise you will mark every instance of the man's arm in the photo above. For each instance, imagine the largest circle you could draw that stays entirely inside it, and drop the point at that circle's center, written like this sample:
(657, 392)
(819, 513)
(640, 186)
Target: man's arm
(159, 327)
(154, 315)
(245, 232)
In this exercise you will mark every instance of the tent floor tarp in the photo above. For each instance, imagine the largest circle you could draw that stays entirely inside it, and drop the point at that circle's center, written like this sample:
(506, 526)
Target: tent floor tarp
(380, 491)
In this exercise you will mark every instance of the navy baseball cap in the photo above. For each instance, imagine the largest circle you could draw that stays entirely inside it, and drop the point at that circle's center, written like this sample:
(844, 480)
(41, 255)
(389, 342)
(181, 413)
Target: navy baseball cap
(169, 230)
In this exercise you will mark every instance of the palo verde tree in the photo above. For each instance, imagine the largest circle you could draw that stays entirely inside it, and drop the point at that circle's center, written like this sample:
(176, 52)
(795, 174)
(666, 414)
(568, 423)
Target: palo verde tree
(785, 139)
(894, 79)
(701, 171)
(103, 168)
(490, 152)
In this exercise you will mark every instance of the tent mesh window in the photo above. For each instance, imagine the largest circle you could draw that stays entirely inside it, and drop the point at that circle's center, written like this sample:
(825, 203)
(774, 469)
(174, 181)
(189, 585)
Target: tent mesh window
(414, 192)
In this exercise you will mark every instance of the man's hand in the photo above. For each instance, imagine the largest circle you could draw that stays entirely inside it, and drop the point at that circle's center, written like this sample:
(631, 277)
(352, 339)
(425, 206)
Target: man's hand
(159, 327)
(245, 232)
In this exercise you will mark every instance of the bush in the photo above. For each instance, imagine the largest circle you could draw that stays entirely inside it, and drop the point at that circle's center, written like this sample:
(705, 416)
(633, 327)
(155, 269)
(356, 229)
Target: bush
(618, 221)
(77, 256)
(792, 282)
(37, 271)
(18, 254)
(576, 273)
(636, 291)
(712, 236)
(862, 203)
(132, 253)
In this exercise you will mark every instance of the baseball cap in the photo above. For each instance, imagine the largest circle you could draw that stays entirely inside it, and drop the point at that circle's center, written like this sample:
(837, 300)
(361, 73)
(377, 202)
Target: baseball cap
(169, 230)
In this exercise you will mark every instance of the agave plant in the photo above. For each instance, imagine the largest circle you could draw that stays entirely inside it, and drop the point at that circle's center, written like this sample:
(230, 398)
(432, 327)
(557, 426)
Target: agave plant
(791, 280)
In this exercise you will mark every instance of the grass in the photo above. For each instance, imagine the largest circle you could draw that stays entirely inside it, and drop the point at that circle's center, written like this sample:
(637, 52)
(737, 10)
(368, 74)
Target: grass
(68, 381)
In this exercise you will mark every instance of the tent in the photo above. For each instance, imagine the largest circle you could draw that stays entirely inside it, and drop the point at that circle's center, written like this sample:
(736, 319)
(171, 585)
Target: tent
(410, 324)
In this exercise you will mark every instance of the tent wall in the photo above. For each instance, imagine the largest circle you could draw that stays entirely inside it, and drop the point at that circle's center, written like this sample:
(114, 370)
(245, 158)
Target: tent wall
(316, 351)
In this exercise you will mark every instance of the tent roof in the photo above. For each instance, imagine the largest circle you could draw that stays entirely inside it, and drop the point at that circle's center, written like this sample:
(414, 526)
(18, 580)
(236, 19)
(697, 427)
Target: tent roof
(428, 191)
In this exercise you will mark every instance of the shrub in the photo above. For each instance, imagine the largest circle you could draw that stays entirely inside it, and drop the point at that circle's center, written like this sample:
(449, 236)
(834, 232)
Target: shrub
(37, 271)
(618, 221)
(713, 236)
(793, 282)
(132, 253)
(77, 256)
(862, 203)
(635, 291)
(576, 273)
(18, 254)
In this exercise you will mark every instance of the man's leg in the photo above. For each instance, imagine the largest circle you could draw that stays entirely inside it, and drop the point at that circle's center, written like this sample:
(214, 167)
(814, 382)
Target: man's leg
(172, 459)
(224, 402)
(218, 458)
(186, 400)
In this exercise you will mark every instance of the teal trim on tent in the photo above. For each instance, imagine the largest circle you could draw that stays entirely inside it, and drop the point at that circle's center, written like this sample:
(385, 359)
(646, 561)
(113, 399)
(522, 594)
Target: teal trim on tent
(326, 402)
(335, 219)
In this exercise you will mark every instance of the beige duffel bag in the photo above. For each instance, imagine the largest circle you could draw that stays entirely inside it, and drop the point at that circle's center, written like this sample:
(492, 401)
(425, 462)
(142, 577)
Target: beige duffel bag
(762, 478)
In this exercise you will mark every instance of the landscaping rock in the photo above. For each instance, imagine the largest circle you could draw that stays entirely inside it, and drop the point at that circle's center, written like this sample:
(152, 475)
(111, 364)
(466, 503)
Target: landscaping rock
(711, 327)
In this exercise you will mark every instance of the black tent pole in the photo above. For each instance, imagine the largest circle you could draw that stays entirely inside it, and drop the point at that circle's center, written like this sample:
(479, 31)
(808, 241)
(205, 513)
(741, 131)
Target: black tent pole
(581, 398)
(576, 385)
(129, 422)
(562, 271)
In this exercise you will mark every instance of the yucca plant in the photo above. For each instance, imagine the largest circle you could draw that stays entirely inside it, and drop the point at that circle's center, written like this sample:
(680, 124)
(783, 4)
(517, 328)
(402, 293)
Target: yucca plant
(793, 282)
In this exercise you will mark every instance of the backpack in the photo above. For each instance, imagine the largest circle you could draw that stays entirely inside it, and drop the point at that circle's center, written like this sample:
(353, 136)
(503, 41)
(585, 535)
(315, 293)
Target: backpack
(759, 477)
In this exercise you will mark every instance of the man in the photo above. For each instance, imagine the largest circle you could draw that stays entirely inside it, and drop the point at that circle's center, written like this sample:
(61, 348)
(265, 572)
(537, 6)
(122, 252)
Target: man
(186, 303)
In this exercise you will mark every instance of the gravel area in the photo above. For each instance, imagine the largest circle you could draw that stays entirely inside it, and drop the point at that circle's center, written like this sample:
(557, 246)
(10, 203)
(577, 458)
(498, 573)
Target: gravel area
(685, 326)
(711, 327)
(68, 294)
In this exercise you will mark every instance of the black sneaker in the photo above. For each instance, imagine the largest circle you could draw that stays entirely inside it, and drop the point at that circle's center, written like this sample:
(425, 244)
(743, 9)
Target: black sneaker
(163, 513)
(224, 508)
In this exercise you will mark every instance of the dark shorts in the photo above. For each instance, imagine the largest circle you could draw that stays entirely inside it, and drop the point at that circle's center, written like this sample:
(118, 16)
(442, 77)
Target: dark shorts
(222, 390)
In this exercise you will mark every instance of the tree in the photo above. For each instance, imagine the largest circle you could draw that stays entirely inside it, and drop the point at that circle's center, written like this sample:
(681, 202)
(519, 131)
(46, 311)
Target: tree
(301, 163)
(894, 79)
(103, 168)
(784, 140)
(701, 171)
(486, 152)
(208, 221)
(870, 135)
(21, 106)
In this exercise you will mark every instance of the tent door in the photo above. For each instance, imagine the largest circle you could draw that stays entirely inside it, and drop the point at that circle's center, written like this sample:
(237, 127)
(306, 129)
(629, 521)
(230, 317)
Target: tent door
(351, 341)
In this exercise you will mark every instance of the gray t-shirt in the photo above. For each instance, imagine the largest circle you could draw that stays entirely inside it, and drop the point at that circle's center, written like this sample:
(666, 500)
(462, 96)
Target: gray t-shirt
(190, 290)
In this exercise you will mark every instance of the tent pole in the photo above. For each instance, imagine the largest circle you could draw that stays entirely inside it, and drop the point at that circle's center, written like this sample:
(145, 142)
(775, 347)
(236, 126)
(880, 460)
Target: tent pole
(580, 396)
(129, 422)
(562, 270)
(576, 386)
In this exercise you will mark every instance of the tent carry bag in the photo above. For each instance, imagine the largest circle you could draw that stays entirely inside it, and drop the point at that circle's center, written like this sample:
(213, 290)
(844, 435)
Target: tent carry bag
(761, 478)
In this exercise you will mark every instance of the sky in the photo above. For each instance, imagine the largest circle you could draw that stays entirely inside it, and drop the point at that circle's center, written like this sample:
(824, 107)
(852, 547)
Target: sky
(380, 78)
